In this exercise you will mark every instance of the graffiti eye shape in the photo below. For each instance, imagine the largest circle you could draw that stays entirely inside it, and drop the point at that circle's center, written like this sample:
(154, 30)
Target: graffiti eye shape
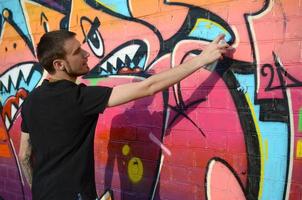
(44, 22)
(46, 27)
(95, 42)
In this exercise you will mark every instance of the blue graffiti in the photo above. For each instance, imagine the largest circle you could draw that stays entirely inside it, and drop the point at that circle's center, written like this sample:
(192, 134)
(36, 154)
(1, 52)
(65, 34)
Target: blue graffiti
(18, 15)
(206, 29)
(10, 89)
(275, 135)
(118, 6)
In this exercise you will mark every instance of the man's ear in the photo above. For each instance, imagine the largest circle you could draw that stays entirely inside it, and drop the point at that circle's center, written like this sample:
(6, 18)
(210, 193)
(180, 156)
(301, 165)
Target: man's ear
(58, 65)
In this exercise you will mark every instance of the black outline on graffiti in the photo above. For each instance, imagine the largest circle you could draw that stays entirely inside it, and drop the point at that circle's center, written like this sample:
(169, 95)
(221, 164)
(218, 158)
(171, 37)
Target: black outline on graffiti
(64, 8)
(35, 68)
(194, 14)
(105, 192)
(10, 20)
(245, 116)
(271, 109)
(94, 73)
(110, 12)
(282, 74)
(226, 164)
(44, 20)
(95, 24)
(250, 136)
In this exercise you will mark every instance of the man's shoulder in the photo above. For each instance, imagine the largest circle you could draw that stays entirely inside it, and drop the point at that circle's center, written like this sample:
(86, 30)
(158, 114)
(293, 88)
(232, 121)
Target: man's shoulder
(29, 97)
(33, 93)
(36, 92)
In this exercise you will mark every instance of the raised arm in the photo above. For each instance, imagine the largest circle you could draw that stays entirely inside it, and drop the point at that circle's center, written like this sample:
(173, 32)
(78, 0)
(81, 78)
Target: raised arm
(124, 93)
(24, 157)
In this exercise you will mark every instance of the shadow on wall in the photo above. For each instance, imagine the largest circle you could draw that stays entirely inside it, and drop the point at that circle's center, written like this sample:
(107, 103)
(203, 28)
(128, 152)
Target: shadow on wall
(182, 109)
(133, 159)
(134, 153)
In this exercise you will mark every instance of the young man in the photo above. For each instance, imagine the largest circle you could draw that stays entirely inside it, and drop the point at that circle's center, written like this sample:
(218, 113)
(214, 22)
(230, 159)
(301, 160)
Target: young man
(59, 117)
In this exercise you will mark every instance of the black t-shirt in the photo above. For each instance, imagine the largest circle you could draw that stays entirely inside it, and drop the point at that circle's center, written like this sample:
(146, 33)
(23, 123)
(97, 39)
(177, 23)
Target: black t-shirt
(60, 118)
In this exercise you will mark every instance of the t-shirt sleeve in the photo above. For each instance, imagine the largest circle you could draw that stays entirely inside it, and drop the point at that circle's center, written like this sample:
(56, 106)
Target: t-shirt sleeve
(93, 99)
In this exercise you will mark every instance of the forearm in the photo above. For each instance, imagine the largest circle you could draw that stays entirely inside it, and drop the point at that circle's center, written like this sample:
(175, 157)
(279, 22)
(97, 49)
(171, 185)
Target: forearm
(128, 92)
(25, 152)
(131, 91)
(27, 170)
(170, 77)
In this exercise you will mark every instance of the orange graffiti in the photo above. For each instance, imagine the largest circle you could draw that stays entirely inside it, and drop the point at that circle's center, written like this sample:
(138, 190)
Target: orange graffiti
(110, 28)
(165, 14)
(41, 19)
(13, 48)
(233, 13)
(4, 151)
(3, 136)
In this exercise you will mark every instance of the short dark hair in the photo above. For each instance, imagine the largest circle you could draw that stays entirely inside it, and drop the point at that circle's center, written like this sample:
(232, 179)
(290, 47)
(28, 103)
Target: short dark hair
(51, 47)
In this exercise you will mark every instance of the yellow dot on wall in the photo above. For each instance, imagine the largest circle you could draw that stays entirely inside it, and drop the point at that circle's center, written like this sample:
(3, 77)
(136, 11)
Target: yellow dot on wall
(299, 149)
(125, 149)
(135, 169)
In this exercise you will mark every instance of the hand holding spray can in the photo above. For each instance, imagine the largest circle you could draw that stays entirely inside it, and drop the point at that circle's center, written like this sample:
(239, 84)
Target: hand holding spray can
(211, 67)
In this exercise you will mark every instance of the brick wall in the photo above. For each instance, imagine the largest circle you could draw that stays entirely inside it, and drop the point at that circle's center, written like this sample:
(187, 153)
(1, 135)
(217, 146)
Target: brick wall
(234, 133)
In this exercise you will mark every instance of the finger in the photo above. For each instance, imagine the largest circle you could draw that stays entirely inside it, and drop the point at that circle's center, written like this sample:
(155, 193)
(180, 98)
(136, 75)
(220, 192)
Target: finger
(218, 38)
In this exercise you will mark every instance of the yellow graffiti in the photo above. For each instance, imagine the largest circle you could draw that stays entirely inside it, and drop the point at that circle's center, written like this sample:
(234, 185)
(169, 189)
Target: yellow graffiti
(209, 24)
(266, 149)
(299, 149)
(126, 150)
(262, 150)
(111, 7)
(135, 169)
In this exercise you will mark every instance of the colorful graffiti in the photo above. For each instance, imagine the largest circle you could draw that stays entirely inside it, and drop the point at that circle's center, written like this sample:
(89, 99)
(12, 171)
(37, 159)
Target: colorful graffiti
(233, 133)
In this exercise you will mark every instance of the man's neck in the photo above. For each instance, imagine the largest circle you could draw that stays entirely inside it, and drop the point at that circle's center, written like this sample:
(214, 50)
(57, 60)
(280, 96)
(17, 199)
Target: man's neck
(54, 78)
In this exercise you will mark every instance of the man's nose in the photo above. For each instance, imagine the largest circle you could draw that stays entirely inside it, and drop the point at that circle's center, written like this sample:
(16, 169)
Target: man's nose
(86, 54)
